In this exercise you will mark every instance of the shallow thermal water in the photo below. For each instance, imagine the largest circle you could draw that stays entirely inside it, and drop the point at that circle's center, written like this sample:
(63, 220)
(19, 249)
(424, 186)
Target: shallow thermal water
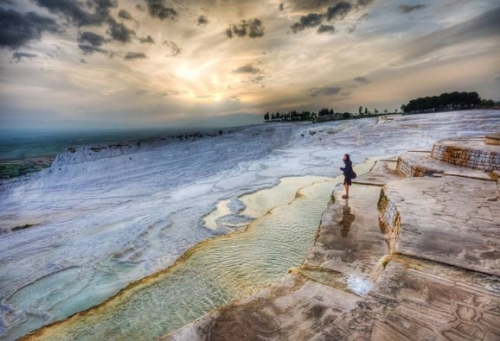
(212, 274)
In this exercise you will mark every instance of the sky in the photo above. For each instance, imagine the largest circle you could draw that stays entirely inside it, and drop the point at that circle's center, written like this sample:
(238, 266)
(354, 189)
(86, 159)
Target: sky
(126, 64)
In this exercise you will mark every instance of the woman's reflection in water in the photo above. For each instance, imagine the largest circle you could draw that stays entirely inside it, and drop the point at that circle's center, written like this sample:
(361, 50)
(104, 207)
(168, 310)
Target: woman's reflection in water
(347, 219)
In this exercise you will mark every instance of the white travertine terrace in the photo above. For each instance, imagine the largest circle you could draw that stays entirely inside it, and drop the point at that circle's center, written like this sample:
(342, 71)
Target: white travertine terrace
(105, 217)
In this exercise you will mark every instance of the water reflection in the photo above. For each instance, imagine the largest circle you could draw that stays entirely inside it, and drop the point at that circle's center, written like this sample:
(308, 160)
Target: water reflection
(347, 219)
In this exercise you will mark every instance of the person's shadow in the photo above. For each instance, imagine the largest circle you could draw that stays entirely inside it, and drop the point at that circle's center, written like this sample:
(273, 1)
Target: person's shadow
(347, 219)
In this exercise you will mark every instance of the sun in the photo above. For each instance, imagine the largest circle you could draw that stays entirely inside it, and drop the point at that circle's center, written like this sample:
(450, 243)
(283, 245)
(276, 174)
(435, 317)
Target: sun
(188, 72)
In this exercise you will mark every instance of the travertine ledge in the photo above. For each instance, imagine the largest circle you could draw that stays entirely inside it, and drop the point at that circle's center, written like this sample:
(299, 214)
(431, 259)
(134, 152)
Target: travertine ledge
(427, 245)
(472, 153)
(447, 219)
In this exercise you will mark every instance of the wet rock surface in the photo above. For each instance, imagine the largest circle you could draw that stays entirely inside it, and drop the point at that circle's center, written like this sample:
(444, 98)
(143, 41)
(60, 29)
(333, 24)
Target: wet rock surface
(432, 265)
(349, 240)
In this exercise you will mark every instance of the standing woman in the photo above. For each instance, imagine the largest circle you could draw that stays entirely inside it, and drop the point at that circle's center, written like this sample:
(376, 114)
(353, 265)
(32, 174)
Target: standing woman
(347, 174)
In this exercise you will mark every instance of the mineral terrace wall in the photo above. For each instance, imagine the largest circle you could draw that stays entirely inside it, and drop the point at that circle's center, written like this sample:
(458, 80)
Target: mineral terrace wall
(468, 153)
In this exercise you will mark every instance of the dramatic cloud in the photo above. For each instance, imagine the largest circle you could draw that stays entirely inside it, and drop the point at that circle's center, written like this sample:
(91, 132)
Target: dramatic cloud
(202, 20)
(157, 9)
(253, 28)
(324, 91)
(176, 50)
(247, 69)
(326, 29)
(408, 9)
(89, 49)
(362, 80)
(125, 15)
(17, 56)
(17, 29)
(134, 55)
(75, 12)
(339, 11)
(307, 21)
(483, 26)
(91, 38)
(147, 40)
(334, 50)
(119, 31)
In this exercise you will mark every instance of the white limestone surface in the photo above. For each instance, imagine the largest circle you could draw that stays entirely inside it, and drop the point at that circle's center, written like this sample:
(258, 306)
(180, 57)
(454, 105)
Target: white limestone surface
(102, 219)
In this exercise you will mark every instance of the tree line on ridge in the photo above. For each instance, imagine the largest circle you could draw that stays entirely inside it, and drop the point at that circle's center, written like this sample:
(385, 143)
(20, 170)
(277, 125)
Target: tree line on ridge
(444, 102)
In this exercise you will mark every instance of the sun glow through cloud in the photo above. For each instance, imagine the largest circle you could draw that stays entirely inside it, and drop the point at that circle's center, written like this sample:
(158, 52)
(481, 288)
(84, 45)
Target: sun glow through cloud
(236, 57)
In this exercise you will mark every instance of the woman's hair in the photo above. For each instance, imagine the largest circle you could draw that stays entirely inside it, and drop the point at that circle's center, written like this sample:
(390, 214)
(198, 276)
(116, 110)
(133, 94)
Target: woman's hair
(347, 157)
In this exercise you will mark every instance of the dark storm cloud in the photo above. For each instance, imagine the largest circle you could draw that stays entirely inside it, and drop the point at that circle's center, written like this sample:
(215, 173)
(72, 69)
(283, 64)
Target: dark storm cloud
(362, 80)
(17, 56)
(309, 6)
(125, 15)
(326, 29)
(202, 20)
(119, 31)
(17, 29)
(252, 28)
(334, 10)
(77, 13)
(324, 91)
(91, 13)
(158, 9)
(91, 38)
(339, 11)
(89, 49)
(247, 69)
(176, 50)
(256, 28)
(147, 40)
(308, 21)
(405, 9)
(70, 9)
(134, 55)
(486, 25)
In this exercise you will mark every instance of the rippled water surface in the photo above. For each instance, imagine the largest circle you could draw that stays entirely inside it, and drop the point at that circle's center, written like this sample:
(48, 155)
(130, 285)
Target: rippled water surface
(212, 274)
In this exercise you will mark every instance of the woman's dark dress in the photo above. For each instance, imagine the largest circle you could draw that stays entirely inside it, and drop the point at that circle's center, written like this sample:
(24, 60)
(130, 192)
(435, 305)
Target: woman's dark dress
(347, 172)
